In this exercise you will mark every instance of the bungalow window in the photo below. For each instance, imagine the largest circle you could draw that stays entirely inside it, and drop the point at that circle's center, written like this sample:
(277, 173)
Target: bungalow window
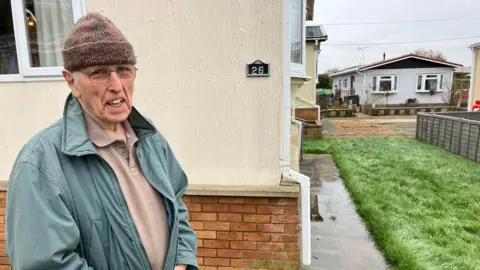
(32, 34)
(385, 83)
(297, 49)
(345, 83)
(427, 82)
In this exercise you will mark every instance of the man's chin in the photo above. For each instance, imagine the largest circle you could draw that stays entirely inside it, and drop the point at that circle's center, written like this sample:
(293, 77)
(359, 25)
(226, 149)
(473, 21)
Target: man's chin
(118, 118)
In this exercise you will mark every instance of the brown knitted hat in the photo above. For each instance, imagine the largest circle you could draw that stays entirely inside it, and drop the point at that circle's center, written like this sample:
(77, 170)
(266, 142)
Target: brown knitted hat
(95, 40)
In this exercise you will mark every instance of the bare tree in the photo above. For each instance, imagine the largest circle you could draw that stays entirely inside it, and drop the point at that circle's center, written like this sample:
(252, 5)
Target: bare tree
(332, 70)
(431, 54)
(450, 95)
(371, 98)
(386, 93)
(432, 92)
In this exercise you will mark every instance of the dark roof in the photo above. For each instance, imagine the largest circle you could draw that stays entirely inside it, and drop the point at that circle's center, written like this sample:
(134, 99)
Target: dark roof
(393, 60)
(316, 32)
(403, 57)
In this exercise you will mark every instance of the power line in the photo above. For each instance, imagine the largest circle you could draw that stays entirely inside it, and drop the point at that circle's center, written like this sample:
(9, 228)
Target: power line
(394, 43)
(407, 21)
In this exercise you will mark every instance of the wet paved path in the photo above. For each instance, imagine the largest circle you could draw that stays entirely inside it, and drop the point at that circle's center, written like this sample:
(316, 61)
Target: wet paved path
(341, 241)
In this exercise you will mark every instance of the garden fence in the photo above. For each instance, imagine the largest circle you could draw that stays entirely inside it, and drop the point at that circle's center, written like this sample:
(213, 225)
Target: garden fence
(457, 132)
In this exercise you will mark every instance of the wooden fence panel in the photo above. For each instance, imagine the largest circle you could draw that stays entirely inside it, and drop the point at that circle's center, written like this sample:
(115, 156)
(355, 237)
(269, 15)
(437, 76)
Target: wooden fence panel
(458, 133)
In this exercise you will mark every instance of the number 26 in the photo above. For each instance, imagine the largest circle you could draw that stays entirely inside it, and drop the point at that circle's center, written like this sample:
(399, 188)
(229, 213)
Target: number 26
(259, 70)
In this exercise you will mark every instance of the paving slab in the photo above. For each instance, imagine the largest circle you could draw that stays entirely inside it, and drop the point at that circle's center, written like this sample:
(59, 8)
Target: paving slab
(341, 240)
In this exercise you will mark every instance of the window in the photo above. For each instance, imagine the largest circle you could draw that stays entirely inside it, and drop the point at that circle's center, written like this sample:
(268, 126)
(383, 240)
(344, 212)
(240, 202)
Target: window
(297, 17)
(345, 83)
(352, 82)
(32, 33)
(427, 82)
(385, 83)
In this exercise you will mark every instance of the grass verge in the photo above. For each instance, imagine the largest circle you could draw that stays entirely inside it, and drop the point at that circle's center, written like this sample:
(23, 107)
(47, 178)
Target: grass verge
(420, 203)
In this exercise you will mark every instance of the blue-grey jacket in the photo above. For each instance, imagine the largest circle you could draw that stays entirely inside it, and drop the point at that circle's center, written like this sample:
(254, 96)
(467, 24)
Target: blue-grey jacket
(65, 209)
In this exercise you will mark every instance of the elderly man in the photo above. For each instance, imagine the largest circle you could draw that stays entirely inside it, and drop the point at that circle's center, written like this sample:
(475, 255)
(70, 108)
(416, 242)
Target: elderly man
(100, 188)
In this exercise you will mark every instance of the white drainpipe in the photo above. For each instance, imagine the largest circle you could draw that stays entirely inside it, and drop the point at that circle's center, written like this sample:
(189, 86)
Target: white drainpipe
(286, 103)
(364, 90)
(304, 182)
(287, 173)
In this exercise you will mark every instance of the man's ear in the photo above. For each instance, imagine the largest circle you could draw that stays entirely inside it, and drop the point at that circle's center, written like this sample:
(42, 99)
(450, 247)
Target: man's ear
(70, 79)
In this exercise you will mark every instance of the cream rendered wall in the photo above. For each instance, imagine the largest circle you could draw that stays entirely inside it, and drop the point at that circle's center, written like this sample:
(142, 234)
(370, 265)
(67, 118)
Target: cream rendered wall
(476, 88)
(25, 109)
(225, 128)
(307, 91)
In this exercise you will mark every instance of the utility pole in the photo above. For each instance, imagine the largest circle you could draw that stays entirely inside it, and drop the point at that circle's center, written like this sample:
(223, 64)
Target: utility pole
(363, 53)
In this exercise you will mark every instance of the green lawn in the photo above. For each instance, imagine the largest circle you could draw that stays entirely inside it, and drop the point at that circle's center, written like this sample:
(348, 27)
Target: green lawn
(420, 203)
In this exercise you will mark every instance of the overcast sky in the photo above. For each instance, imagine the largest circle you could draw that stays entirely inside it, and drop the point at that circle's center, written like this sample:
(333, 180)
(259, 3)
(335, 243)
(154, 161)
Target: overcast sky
(358, 11)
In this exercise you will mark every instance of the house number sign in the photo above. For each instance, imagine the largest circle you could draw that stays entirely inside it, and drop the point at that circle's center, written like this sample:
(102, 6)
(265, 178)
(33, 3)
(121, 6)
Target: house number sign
(258, 69)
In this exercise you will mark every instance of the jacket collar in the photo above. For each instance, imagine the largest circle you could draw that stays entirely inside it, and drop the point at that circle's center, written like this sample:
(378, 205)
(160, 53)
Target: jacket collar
(75, 140)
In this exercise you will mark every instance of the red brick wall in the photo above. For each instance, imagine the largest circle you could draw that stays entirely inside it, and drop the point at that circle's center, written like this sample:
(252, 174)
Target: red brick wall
(233, 232)
(4, 263)
(245, 232)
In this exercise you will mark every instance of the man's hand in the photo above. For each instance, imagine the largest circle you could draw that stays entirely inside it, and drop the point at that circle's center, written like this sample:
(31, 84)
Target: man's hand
(181, 267)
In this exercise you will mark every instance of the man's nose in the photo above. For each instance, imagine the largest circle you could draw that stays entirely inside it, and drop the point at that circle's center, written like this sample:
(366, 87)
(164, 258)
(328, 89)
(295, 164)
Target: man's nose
(115, 84)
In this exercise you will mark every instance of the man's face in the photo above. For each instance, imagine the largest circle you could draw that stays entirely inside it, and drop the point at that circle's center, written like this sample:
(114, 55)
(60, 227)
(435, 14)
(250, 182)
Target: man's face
(107, 99)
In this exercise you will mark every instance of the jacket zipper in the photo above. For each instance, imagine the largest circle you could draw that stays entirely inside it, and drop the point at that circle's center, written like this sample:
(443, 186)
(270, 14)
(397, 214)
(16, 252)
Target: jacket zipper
(126, 214)
(169, 207)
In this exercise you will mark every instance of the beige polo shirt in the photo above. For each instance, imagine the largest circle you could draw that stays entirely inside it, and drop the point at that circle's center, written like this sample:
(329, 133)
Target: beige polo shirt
(145, 204)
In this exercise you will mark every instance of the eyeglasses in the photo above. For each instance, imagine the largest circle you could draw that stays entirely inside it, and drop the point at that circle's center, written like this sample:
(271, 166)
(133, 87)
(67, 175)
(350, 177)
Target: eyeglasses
(102, 74)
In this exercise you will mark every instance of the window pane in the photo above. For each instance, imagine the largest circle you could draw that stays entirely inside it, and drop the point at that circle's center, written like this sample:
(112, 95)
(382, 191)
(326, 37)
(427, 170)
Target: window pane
(431, 84)
(386, 77)
(385, 85)
(441, 81)
(374, 84)
(419, 82)
(8, 50)
(48, 23)
(296, 18)
(395, 84)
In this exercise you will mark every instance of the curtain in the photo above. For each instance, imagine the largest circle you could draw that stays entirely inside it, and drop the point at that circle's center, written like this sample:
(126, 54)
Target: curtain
(297, 31)
(54, 22)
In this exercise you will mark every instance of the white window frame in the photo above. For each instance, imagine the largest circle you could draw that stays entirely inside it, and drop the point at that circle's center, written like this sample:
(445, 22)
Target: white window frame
(393, 79)
(440, 83)
(299, 70)
(25, 71)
